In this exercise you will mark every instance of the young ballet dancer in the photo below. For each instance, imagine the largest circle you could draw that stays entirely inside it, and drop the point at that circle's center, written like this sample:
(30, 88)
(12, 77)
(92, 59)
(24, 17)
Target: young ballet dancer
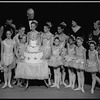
(93, 64)
(20, 57)
(80, 63)
(21, 32)
(56, 62)
(7, 58)
(69, 61)
(47, 41)
(36, 69)
(33, 33)
(63, 38)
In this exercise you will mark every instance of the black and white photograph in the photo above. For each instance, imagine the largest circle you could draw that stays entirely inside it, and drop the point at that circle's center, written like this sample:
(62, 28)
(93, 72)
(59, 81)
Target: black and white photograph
(49, 50)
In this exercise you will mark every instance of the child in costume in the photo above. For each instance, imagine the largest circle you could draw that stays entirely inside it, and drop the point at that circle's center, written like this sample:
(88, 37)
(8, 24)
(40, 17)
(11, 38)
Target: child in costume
(80, 63)
(7, 58)
(93, 65)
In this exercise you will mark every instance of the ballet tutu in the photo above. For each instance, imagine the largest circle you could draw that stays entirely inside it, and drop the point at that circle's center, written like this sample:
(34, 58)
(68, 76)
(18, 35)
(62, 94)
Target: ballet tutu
(92, 66)
(8, 62)
(1, 67)
(32, 70)
(69, 61)
(79, 64)
(55, 61)
(46, 52)
(8, 59)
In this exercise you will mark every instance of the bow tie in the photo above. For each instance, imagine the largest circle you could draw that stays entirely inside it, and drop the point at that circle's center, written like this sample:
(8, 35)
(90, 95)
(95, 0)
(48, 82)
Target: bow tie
(30, 19)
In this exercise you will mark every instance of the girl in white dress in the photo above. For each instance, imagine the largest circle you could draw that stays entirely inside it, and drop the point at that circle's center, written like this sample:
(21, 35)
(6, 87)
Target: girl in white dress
(80, 63)
(56, 62)
(7, 58)
(93, 64)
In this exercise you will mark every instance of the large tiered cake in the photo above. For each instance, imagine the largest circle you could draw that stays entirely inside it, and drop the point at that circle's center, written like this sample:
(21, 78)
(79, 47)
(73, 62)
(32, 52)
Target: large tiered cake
(34, 53)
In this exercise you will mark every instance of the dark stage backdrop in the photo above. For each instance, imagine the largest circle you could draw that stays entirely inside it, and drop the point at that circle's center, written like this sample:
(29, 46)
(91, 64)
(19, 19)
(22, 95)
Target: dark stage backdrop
(83, 13)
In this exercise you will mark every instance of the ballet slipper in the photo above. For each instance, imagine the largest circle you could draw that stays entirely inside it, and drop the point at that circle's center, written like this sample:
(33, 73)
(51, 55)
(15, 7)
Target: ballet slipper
(68, 86)
(64, 84)
(82, 90)
(58, 87)
(53, 83)
(92, 91)
(77, 89)
(14, 82)
(10, 86)
(4, 86)
(19, 84)
(26, 86)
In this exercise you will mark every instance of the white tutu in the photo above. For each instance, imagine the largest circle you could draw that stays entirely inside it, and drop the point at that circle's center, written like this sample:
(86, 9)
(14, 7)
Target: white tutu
(92, 66)
(8, 59)
(69, 61)
(55, 61)
(79, 64)
(32, 71)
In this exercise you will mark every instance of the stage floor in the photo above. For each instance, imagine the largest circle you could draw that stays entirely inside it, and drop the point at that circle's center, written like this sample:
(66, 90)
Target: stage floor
(43, 92)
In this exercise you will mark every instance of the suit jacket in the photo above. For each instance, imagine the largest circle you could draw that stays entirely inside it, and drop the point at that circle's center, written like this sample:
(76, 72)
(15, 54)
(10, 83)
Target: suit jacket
(26, 24)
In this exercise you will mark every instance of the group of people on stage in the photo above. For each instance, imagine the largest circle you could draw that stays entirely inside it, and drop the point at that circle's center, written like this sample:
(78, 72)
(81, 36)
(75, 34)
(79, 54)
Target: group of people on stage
(61, 51)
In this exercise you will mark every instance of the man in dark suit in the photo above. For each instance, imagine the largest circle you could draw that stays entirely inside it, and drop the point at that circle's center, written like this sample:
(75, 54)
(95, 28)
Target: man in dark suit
(30, 18)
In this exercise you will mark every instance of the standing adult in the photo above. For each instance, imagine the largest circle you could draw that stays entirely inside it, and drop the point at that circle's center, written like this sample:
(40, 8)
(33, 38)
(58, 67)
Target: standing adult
(76, 30)
(28, 20)
(96, 32)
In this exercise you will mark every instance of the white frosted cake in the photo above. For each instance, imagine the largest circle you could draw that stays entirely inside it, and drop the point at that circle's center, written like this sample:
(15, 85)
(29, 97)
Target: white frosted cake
(33, 54)
(33, 47)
